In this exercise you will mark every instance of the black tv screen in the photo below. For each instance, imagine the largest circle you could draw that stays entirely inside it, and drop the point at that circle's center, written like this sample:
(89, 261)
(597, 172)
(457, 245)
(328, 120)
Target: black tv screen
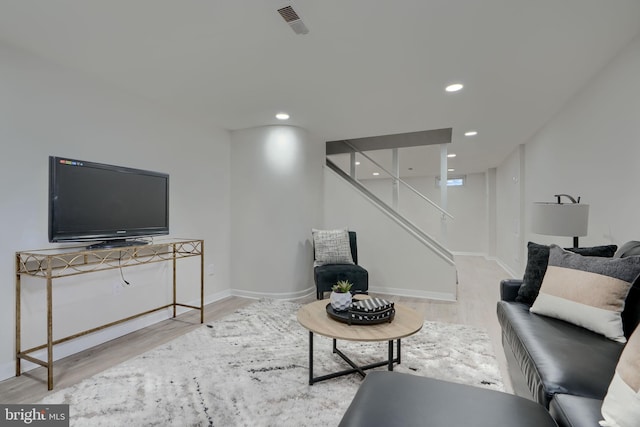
(93, 201)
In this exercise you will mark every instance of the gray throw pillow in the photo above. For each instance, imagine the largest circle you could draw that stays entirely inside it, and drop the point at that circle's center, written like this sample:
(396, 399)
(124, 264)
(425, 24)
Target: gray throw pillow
(537, 260)
(587, 291)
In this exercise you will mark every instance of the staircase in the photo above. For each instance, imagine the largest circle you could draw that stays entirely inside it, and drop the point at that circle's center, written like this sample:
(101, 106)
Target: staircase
(411, 228)
(402, 258)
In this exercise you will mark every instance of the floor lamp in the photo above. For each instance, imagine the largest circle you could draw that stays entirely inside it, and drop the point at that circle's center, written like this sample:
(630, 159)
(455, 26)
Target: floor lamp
(561, 219)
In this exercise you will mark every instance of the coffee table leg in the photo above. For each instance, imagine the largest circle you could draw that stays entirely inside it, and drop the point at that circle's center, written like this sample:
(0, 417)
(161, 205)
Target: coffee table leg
(310, 358)
(398, 359)
(354, 368)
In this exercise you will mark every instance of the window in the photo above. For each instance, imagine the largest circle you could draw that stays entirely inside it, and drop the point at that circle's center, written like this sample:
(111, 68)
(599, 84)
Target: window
(452, 181)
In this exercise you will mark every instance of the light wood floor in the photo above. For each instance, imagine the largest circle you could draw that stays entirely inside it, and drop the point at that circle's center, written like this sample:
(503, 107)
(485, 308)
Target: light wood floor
(478, 292)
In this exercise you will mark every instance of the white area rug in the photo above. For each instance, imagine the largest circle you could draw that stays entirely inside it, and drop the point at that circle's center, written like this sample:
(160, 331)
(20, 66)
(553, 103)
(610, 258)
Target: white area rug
(251, 369)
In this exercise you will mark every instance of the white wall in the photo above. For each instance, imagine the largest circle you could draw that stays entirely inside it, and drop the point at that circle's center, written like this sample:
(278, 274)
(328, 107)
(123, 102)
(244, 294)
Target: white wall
(276, 191)
(466, 233)
(491, 205)
(590, 149)
(397, 262)
(508, 211)
(47, 110)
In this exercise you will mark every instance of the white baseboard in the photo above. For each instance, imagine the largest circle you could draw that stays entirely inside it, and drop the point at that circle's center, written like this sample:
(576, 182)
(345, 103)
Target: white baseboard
(489, 258)
(438, 296)
(504, 266)
(7, 369)
(460, 253)
(285, 296)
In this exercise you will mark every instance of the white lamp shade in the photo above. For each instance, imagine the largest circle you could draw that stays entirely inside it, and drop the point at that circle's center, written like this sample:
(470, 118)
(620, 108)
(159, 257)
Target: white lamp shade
(559, 219)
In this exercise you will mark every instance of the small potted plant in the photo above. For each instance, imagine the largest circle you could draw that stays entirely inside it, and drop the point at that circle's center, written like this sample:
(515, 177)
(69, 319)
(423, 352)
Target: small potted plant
(341, 295)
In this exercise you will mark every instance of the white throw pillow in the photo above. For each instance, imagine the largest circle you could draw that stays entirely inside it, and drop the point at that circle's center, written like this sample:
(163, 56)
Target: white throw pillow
(621, 405)
(331, 247)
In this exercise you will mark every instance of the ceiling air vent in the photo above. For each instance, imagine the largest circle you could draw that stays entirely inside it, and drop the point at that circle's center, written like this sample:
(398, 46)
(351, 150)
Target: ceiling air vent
(294, 21)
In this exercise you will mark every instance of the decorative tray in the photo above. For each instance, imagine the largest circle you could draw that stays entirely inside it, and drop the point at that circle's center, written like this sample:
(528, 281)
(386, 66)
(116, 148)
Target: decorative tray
(356, 318)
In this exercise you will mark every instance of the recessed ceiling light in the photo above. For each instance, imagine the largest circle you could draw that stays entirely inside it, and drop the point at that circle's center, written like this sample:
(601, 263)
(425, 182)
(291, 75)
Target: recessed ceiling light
(451, 155)
(450, 170)
(454, 87)
(357, 163)
(376, 173)
(282, 116)
(471, 133)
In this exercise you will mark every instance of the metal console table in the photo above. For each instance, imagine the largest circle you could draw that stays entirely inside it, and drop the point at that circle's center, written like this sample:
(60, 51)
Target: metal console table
(51, 264)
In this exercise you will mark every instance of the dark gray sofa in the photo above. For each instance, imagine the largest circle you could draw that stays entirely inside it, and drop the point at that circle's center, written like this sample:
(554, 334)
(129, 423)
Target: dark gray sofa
(388, 399)
(566, 368)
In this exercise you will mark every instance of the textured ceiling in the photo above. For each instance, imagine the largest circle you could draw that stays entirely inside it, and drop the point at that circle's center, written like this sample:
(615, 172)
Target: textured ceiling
(365, 68)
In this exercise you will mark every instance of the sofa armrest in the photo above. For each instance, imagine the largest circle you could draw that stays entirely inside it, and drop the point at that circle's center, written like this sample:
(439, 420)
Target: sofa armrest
(509, 289)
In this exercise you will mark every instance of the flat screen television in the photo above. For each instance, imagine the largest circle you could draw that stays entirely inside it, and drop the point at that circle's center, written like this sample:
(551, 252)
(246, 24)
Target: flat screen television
(105, 203)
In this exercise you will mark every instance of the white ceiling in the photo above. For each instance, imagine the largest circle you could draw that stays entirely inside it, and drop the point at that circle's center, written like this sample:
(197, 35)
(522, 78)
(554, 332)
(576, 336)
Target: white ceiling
(366, 67)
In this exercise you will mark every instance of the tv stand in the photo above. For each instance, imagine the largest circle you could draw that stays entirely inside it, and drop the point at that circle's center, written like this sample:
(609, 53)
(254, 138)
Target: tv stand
(117, 243)
(50, 264)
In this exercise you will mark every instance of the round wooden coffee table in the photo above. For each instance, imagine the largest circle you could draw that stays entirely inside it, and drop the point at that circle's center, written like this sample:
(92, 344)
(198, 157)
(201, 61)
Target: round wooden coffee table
(314, 317)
